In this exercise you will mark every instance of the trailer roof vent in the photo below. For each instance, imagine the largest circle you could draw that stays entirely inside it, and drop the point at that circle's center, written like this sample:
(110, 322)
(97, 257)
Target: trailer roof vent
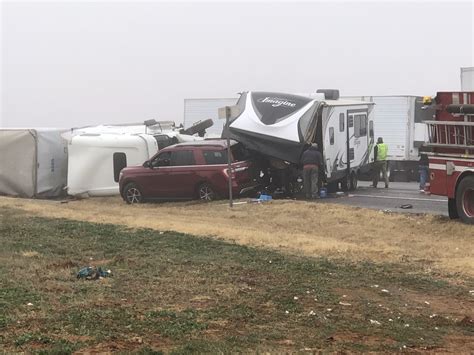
(329, 94)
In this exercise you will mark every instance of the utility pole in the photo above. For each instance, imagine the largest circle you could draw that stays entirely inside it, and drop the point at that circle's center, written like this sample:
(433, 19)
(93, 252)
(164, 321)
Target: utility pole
(226, 113)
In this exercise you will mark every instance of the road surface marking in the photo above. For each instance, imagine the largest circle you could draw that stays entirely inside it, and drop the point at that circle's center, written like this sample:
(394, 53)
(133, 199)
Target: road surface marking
(401, 198)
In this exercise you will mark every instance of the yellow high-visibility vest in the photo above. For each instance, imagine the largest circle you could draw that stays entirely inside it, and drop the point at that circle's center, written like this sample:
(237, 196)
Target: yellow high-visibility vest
(382, 150)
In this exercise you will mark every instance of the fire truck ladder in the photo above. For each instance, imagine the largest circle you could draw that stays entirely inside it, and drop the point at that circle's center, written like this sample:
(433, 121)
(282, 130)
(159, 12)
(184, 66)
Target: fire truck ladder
(451, 134)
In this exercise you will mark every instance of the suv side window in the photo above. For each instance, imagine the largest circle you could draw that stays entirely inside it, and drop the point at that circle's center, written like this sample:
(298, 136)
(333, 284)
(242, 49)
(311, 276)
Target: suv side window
(182, 157)
(213, 157)
(162, 160)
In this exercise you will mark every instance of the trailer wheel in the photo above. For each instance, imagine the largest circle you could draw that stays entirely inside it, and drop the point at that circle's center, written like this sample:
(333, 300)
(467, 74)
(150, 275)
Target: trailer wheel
(132, 194)
(346, 183)
(465, 199)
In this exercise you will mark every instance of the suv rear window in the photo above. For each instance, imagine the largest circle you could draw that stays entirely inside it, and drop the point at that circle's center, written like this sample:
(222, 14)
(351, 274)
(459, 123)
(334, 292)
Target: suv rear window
(213, 157)
(239, 152)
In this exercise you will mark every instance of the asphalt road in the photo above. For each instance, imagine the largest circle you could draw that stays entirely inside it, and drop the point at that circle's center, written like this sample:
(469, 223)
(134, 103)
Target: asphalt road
(398, 194)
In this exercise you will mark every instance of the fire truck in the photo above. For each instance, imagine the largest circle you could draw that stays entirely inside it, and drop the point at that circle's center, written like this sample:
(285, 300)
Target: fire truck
(451, 162)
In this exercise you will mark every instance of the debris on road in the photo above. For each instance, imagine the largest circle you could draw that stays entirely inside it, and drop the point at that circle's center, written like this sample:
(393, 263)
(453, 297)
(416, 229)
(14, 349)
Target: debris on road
(93, 273)
(345, 304)
(375, 322)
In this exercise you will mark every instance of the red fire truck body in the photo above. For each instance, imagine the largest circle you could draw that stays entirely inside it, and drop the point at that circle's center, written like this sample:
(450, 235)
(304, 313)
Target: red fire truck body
(451, 136)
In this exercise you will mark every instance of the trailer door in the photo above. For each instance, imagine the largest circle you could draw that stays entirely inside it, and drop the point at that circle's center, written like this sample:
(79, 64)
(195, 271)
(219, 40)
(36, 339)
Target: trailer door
(357, 137)
(361, 142)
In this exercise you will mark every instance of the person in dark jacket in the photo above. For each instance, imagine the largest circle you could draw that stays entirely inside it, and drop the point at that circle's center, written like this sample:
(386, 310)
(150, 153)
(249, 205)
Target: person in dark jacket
(311, 161)
(423, 168)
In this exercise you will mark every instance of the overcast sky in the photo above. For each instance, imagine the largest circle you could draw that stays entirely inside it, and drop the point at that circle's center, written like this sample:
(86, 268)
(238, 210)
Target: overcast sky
(78, 63)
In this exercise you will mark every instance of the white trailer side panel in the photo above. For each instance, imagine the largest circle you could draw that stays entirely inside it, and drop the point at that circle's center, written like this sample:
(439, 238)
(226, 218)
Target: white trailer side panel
(33, 162)
(467, 79)
(196, 110)
(17, 163)
(52, 163)
(393, 117)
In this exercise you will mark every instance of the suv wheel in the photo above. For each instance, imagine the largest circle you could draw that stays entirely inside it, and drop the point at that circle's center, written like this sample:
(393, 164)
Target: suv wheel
(132, 194)
(206, 192)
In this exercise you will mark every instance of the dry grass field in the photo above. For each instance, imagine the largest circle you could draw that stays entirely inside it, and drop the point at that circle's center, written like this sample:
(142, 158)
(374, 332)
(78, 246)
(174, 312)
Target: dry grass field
(178, 293)
(296, 227)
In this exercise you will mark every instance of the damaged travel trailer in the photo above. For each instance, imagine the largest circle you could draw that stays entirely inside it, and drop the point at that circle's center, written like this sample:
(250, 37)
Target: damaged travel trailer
(33, 162)
(95, 160)
(281, 125)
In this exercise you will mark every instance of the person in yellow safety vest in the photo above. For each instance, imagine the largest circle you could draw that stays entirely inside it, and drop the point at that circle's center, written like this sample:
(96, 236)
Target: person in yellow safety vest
(380, 162)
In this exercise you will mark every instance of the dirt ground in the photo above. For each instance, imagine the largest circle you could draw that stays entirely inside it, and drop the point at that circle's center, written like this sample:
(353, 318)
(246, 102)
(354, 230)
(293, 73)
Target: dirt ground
(434, 242)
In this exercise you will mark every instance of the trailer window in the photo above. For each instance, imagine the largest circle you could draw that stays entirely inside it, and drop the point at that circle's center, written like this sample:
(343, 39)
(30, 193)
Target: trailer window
(341, 122)
(120, 162)
(360, 126)
(331, 135)
(371, 129)
(350, 121)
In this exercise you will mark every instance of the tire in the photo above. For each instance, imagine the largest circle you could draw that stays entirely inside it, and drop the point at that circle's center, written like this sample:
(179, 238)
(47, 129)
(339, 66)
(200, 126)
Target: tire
(206, 192)
(132, 194)
(297, 186)
(452, 209)
(346, 184)
(465, 199)
(353, 182)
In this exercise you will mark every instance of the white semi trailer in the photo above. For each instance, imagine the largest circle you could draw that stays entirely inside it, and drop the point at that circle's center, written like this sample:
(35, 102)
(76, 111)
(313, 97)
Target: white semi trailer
(467, 79)
(399, 120)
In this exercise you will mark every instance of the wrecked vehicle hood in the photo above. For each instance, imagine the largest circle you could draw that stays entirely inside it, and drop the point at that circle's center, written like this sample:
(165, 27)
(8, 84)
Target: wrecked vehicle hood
(275, 124)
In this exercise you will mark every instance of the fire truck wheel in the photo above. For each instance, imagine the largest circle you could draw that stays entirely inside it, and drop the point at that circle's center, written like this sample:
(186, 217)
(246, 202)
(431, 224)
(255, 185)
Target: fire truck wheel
(452, 209)
(465, 199)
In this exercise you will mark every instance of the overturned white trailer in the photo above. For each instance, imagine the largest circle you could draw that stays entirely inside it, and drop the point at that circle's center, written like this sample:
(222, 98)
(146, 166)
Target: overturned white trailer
(96, 159)
(33, 162)
(98, 153)
(281, 125)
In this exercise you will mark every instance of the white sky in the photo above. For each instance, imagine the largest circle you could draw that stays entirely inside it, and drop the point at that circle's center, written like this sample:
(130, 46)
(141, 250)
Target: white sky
(78, 63)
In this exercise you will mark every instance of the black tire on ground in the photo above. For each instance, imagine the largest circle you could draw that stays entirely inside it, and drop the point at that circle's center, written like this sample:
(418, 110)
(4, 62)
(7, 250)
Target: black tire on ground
(132, 194)
(205, 192)
(353, 181)
(452, 210)
(346, 184)
(465, 199)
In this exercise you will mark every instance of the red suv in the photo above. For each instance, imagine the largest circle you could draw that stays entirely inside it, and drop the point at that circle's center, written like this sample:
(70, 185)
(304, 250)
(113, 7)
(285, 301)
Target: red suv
(189, 170)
